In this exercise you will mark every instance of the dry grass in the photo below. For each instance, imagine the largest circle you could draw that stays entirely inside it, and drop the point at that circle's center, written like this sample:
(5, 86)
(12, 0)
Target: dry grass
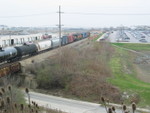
(123, 109)
(79, 72)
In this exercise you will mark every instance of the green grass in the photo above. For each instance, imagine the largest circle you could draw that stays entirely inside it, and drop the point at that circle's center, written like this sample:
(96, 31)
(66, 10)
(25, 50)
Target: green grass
(98, 37)
(128, 81)
(134, 46)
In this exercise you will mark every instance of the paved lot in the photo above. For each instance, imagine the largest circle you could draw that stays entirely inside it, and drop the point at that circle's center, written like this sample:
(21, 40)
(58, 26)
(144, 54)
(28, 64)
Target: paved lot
(116, 37)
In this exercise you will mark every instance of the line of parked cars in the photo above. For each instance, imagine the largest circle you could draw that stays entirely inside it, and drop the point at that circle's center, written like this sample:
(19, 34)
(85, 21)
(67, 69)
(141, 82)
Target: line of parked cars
(123, 36)
(139, 36)
(15, 53)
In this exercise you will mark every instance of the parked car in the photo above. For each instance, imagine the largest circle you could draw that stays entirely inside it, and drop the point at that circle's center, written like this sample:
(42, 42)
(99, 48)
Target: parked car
(143, 40)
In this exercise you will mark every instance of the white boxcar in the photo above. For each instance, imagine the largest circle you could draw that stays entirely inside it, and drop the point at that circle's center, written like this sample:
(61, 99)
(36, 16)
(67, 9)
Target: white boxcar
(43, 45)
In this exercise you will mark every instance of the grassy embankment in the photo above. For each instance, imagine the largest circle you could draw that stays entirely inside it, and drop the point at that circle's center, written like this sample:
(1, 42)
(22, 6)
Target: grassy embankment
(97, 37)
(134, 46)
(125, 74)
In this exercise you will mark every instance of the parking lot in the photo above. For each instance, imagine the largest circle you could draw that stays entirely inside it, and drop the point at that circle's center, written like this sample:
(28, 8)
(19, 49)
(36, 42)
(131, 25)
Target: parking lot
(130, 36)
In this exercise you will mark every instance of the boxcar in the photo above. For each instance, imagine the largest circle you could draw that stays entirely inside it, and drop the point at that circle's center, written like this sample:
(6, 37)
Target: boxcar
(76, 36)
(80, 36)
(84, 34)
(64, 40)
(70, 38)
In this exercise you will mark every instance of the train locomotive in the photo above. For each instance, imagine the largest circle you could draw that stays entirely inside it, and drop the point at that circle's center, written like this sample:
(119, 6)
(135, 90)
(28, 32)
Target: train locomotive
(10, 54)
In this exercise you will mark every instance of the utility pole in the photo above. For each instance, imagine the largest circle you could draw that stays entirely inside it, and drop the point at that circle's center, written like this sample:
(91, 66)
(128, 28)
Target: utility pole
(10, 38)
(59, 25)
(59, 22)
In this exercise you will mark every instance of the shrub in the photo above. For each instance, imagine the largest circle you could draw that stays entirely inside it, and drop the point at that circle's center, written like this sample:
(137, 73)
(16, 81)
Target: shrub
(81, 72)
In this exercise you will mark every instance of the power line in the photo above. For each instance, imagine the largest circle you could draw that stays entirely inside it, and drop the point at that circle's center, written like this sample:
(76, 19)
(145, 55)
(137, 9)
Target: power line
(39, 14)
(83, 13)
(79, 13)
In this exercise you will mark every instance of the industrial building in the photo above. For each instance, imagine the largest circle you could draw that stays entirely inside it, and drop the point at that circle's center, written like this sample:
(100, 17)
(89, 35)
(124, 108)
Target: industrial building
(10, 40)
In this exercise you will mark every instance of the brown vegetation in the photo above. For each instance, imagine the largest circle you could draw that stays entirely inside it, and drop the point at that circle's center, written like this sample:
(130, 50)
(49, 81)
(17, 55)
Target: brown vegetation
(79, 72)
(112, 109)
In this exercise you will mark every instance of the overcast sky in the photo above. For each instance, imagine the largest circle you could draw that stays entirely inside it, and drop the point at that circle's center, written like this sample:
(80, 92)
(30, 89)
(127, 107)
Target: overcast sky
(77, 13)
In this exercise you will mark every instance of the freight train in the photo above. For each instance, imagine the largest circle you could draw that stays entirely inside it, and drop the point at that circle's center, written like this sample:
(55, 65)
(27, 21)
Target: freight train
(10, 54)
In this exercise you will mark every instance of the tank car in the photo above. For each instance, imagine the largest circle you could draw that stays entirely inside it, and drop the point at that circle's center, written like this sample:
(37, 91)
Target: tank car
(8, 54)
(44, 45)
(29, 49)
(56, 42)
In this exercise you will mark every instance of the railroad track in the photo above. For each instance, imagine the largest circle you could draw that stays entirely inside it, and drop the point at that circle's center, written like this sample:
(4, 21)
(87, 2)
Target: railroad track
(7, 68)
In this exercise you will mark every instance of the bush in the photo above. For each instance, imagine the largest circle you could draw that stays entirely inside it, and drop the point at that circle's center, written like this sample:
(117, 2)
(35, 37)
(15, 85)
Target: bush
(81, 72)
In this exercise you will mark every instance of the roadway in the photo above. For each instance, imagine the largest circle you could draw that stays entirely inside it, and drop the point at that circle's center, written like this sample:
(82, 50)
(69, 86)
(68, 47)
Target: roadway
(66, 105)
(73, 106)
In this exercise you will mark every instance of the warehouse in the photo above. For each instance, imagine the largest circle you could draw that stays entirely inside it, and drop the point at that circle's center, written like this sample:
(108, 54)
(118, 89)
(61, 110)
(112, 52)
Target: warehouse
(10, 40)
